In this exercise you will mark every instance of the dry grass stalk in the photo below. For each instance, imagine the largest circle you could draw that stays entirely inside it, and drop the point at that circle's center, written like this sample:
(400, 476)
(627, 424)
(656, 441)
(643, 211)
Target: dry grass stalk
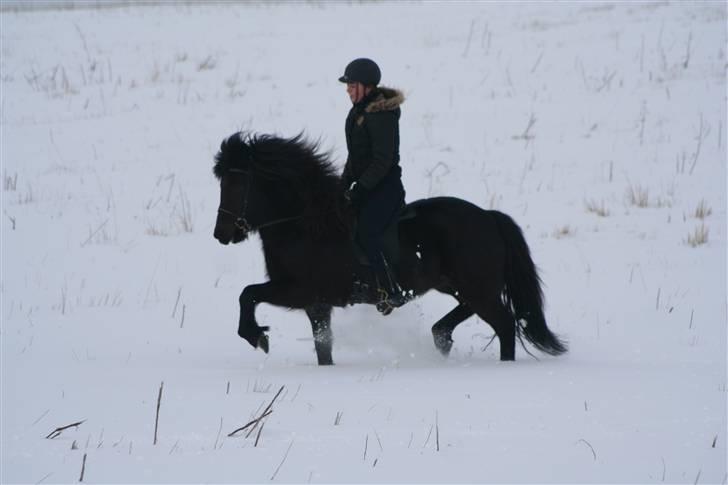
(594, 453)
(83, 468)
(702, 211)
(562, 232)
(257, 438)
(249, 424)
(638, 196)
(282, 462)
(57, 432)
(207, 64)
(699, 236)
(159, 404)
(597, 208)
(254, 423)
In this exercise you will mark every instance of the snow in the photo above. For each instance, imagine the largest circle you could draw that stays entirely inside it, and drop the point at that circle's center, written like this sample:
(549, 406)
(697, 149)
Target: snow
(553, 113)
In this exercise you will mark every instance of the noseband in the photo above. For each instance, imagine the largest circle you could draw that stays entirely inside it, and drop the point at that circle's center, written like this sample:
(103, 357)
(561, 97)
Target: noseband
(240, 220)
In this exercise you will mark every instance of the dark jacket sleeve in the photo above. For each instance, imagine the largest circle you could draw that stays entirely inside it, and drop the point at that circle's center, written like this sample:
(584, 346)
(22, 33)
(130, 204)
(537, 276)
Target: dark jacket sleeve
(346, 176)
(382, 128)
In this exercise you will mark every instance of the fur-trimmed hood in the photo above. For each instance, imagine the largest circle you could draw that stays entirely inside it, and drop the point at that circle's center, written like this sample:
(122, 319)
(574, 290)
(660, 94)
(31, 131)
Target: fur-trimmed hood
(388, 99)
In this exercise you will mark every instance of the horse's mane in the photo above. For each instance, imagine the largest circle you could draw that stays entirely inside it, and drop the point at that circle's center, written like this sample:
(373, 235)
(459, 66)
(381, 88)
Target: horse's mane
(298, 163)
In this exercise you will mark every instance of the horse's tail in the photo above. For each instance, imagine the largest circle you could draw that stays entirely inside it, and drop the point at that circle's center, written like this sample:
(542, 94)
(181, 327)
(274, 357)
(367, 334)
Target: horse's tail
(522, 294)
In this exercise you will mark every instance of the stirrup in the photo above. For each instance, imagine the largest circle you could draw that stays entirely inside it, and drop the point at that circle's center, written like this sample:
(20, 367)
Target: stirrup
(387, 304)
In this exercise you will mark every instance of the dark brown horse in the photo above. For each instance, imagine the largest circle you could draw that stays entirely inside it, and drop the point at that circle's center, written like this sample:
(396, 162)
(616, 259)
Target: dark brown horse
(289, 192)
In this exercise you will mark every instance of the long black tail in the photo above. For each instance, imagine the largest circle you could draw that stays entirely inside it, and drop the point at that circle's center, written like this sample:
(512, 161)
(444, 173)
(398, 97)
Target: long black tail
(522, 293)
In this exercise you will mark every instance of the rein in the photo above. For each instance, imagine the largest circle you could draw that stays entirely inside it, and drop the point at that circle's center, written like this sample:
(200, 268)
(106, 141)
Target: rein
(241, 221)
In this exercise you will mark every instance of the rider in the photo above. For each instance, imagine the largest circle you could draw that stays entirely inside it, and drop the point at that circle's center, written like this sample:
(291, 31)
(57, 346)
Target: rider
(372, 176)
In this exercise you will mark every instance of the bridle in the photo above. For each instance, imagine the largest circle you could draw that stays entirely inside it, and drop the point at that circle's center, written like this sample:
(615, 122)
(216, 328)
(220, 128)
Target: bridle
(241, 222)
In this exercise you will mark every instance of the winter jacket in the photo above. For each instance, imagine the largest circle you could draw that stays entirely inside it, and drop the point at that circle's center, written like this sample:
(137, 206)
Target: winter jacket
(372, 138)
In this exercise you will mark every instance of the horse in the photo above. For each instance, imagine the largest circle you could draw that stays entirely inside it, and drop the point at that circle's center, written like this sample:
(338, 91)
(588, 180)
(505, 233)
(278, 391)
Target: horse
(288, 191)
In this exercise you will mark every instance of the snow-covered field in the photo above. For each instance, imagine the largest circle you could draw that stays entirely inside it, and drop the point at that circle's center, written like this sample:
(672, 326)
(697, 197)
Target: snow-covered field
(600, 127)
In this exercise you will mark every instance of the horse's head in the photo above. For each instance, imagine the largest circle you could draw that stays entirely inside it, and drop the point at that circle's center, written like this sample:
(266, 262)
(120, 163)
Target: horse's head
(239, 198)
(266, 181)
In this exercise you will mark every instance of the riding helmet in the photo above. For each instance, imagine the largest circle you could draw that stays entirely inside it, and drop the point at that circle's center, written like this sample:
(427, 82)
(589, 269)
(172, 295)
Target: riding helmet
(363, 71)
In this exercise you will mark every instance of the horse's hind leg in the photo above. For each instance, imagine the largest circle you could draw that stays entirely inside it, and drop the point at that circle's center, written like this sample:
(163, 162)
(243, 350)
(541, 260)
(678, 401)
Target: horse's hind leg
(320, 317)
(497, 316)
(502, 321)
(442, 330)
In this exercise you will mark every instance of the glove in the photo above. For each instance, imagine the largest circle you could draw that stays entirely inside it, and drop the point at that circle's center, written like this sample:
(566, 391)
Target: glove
(356, 195)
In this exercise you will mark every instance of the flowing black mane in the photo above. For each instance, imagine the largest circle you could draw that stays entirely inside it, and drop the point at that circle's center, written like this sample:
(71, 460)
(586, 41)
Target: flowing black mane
(274, 157)
(304, 175)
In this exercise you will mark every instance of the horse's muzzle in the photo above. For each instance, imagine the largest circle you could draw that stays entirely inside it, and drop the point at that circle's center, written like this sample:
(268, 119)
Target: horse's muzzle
(227, 236)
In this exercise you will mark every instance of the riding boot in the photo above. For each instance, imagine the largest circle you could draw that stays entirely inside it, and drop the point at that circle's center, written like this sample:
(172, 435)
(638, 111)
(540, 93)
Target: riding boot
(391, 294)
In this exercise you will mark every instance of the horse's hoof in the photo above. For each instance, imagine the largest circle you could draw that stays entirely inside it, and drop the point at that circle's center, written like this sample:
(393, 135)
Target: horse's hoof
(263, 343)
(443, 344)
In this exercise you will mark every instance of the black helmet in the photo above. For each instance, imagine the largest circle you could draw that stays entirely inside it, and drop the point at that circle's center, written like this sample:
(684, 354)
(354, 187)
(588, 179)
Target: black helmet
(363, 71)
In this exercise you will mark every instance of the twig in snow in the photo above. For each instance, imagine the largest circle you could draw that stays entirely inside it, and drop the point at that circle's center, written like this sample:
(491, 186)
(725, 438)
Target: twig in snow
(538, 61)
(91, 236)
(251, 423)
(337, 421)
(590, 447)
(698, 477)
(428, 437)
(643, 117)
(526, 135)
(366, 445)
(470, 38)
(179, 294)
(296, 395)
(378, 440)
(83, 468)
(702, 133)
(268, 408)
(720, 142)
(159, 404)
(12, 220)
(282, 462)
(43, 479)
(57, 432)
(437, 431)
(182, 323)
(217, 439)
(41, 417)
(254, 423)
(257, 438)
(687, 51)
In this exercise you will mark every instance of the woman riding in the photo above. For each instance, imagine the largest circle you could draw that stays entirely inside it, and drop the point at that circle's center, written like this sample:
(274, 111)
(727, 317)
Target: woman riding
(372, 176)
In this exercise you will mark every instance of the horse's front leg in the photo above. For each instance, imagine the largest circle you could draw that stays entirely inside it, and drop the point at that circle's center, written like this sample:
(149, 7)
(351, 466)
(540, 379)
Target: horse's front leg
(320, 316)
(276, 293)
